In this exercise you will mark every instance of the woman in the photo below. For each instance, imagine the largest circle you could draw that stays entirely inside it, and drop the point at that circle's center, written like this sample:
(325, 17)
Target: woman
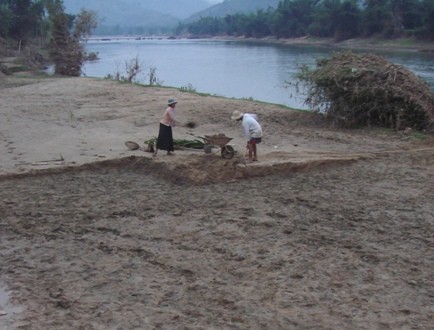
(165, 137)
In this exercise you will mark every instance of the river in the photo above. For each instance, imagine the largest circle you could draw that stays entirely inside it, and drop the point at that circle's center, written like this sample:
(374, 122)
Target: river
(227, 68)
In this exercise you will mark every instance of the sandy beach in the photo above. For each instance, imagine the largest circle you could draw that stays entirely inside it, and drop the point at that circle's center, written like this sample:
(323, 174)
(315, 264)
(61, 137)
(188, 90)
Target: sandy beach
(330, 229)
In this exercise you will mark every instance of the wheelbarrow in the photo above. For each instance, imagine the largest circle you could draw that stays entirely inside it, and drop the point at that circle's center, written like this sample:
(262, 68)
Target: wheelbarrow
(219, 141)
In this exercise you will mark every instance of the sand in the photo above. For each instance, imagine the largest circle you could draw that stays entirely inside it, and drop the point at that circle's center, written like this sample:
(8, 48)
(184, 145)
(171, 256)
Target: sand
(330, 229)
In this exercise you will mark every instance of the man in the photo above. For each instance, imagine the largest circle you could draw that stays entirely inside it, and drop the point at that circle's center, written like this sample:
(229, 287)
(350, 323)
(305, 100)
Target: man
(252, 131)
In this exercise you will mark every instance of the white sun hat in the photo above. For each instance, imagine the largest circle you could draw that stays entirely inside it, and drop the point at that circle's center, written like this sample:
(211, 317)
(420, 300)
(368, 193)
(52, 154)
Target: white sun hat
(236, 115)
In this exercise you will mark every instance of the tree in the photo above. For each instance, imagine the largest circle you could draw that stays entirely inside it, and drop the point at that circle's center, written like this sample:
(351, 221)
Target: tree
(377, 18)
(340, 19)
(325, 18)
(207, 25)
(412, 14)
(6, 19)
(235, 25)
(84, 23)
(63, 50)
(19, 19)
(259, 24)
(65, 47)
(347, 21)
(427, 29)
(293, 18)
(282, 15)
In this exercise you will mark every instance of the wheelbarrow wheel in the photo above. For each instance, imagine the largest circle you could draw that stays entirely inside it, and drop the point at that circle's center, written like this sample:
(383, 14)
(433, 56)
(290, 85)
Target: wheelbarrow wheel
(228, 152)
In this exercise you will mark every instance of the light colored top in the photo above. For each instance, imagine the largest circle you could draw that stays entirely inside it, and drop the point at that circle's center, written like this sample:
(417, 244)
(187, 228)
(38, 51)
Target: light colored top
(251, 127)
(169, 117)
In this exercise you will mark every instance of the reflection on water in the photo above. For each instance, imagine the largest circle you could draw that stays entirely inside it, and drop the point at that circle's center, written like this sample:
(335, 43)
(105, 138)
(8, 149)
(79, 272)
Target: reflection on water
(228, 68)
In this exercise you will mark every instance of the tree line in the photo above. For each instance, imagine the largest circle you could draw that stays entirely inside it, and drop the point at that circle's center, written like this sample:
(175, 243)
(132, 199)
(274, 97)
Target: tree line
(338, 19)
(45, 20)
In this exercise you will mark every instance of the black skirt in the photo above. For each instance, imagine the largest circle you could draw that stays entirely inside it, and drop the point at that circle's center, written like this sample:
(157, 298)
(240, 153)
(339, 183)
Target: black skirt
(165, 138)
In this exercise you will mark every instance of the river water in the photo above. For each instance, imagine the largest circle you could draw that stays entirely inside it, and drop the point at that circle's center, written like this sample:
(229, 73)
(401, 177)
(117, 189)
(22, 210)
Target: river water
(228, 68)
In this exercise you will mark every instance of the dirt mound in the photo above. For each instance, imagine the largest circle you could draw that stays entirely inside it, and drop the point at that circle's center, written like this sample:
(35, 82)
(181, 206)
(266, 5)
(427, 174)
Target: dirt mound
(207, 169)
(202, 169)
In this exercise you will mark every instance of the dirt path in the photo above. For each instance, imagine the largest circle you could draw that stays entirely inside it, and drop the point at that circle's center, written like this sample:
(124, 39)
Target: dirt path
(331, 229)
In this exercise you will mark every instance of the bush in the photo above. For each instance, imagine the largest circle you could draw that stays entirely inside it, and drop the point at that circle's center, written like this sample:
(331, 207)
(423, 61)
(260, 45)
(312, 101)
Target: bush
(362, 90)
(5, 70)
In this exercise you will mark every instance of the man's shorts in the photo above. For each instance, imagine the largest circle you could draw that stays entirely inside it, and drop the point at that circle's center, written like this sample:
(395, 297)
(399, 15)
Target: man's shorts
(254, 141)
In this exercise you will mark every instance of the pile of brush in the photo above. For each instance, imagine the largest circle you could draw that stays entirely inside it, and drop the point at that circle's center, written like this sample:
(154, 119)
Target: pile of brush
(356, 90)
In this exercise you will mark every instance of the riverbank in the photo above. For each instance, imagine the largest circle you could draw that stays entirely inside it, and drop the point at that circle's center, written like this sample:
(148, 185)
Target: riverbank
(331, 228)
(402, 44)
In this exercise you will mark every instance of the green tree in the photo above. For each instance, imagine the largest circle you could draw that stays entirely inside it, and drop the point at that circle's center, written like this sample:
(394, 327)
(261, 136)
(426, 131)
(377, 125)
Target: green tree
(427, 28)
(259, 24)
(293, 18)
(281, 22)
(325, 18)
(235, 25)
(84, 23)
(6, 19)
(340, 19)
(63, 51)
(207, 26)
(20, 19)
(65, 46)
(377, 18)
(336, 18)
(347, 21)
(407, 14)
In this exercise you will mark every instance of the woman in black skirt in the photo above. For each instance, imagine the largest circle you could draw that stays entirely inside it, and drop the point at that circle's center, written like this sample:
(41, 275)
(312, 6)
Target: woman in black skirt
(165, 137)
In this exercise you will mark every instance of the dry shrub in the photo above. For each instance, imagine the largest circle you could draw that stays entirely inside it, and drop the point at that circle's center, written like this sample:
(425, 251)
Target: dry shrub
(362, 90)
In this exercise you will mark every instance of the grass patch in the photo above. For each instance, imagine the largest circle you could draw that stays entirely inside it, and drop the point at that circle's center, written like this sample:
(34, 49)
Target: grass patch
(420, 136)
(180, 143)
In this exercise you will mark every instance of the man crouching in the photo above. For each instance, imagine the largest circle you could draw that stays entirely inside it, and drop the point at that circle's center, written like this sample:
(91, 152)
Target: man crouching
(252, 131)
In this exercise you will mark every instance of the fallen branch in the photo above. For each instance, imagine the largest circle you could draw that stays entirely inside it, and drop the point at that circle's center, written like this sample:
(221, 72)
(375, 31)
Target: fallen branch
(58, 161)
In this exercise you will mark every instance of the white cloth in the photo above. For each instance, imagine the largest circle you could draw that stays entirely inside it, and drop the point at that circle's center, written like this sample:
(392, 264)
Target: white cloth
(251, 127)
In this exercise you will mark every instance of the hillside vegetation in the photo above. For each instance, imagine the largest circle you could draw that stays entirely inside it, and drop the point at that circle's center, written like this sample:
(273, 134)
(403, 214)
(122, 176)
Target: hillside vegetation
(230, 7)
(337, 19)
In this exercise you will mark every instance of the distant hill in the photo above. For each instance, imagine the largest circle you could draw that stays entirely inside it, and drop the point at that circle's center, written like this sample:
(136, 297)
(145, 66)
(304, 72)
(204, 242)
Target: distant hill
(176, 8)
(158, 16)
(137, 16)
(229, 7)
